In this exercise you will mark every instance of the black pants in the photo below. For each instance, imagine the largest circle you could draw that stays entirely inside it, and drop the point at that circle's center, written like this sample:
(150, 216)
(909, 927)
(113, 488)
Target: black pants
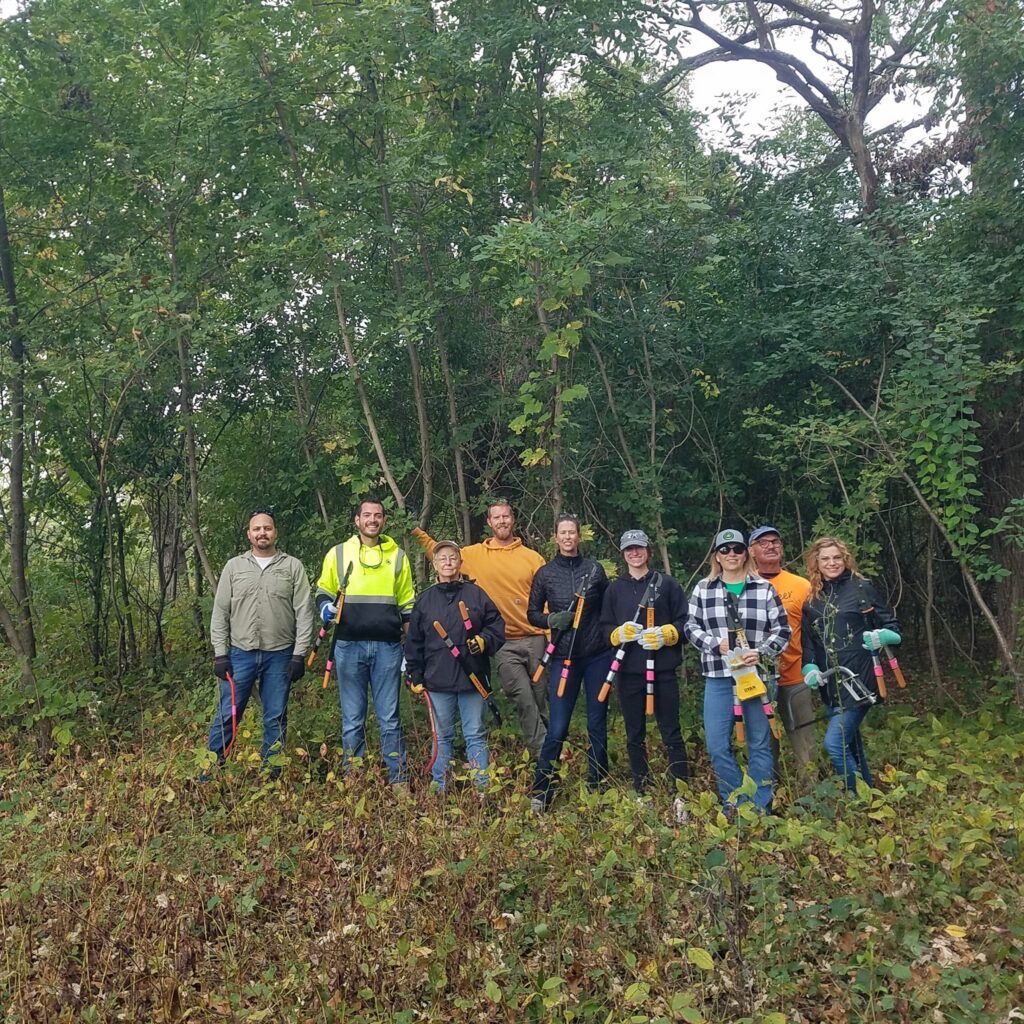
(632, 690)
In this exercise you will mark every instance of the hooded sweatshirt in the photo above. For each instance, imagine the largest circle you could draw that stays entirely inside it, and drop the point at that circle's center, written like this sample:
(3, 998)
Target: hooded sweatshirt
(505, 573)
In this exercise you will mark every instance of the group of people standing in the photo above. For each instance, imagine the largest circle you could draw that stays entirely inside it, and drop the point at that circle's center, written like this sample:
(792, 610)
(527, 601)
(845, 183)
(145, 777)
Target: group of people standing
(551, 630)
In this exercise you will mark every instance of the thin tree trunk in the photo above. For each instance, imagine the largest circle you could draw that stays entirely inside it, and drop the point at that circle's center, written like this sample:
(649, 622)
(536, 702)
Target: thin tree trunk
(441, 341)
(536, 167)
(17, 622)
(929, 604)
(188, 420)
(1005, 649)
(339, 304)
(305, 412)
(398, 283)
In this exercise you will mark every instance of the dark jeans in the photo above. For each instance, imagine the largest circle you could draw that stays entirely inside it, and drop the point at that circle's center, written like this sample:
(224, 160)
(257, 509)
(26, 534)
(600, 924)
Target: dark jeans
(632, 691)
(270, 670)
(590, 673)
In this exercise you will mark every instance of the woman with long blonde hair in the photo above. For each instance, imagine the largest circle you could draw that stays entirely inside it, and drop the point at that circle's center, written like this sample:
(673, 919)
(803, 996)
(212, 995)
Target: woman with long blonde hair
(844, 621)
(731, 598)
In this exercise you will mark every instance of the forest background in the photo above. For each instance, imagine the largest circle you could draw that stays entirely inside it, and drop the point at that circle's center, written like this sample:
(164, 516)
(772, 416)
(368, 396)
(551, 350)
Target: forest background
(289, 253)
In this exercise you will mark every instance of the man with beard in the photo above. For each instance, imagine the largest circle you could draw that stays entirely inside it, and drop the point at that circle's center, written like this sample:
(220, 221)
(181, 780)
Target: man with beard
(504, 567)
(376, 579)
(261, 629)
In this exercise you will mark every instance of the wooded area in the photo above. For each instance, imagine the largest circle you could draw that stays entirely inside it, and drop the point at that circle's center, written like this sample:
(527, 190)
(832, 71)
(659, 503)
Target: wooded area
(290, 253)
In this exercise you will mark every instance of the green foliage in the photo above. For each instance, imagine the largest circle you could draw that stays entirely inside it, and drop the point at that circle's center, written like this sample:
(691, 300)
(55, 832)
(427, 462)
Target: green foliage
(248, 899)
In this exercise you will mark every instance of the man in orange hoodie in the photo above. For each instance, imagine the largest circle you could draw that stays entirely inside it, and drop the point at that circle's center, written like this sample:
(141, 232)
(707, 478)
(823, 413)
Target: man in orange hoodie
(504, 567)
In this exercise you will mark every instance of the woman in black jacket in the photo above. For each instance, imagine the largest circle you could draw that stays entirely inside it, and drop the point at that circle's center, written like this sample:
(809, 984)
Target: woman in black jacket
(446, 678)
(581, 655)
(844, 620)
(650, 640)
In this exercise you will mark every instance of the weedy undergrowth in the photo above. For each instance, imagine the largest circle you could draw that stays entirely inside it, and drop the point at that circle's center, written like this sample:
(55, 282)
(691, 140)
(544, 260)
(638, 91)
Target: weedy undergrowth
(131, 893)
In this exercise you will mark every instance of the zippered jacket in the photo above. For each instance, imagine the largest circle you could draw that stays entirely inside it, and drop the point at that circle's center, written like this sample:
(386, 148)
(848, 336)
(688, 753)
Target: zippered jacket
(554, 590)
(761, 615)
(619, 606)
(257, 609)
(504, 571)
(834, 624)
(428, 659)
(379, 594)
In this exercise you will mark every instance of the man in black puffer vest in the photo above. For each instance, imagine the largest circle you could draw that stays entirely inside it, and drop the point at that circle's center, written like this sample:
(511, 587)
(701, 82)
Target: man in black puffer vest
(581, 655)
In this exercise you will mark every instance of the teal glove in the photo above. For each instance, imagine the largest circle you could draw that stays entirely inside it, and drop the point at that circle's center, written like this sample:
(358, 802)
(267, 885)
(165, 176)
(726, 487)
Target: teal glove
(812, 677)
(877, 638)
(560, 620)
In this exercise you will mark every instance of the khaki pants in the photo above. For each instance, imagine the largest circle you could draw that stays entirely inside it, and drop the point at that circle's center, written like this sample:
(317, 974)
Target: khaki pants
(515, 663)
(797, 705)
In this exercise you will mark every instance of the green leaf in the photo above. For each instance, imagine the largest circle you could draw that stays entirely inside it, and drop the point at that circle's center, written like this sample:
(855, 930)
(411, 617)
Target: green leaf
(700, 957)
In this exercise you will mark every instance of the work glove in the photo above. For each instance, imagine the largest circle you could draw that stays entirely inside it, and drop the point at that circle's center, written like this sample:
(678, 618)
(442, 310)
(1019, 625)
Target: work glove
(296, 667)
(328, 611)
(222, 666)
(812, 677)
(475, 645)
(656, 637)
(559, 620)
(625, 634)
(877, 638)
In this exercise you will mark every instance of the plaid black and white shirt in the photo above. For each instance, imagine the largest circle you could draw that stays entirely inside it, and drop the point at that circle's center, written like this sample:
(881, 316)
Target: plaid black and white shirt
(760, 612)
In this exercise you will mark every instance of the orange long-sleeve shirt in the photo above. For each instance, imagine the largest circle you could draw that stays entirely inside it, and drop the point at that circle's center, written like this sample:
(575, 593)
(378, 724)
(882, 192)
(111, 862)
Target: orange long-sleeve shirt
(794, 591)
(505, 573)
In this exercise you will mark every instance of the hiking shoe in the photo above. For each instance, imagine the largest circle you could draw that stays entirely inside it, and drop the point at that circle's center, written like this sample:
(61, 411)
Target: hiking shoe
(679, 811)
(537, 805)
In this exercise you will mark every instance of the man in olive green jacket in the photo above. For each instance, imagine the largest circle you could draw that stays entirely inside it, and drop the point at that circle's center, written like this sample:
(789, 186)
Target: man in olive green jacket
(261, 629)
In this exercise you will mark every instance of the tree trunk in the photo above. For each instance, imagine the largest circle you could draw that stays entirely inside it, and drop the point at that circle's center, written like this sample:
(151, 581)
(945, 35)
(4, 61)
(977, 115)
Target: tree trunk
(188, 420)
(339, 303)
(17, 621)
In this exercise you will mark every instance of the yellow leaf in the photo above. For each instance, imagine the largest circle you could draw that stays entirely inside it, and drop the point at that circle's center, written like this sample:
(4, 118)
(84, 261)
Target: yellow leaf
(701, 958)
(956, 931)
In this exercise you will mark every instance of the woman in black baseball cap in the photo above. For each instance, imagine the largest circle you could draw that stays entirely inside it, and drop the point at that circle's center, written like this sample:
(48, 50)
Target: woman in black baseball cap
(734, 617)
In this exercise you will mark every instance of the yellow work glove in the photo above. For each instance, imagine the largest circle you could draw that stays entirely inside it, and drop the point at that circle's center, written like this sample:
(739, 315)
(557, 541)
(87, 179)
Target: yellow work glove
(624, 634)
(656, 637)
(475, 645)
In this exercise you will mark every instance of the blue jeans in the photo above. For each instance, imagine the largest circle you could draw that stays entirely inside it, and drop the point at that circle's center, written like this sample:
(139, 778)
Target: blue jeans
(270, 669)
(591, 673)
(845, 745)
(375, 664)
(718, 730)
(470, 707)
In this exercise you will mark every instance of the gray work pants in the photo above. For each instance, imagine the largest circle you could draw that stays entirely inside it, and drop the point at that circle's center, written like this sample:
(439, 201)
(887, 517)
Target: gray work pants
(515, 664)
(797, 705)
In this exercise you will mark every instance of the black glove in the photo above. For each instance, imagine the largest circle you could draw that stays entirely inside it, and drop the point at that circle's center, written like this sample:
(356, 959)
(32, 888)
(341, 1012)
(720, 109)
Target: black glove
(296, 667)
(222, 666)
(560, 620)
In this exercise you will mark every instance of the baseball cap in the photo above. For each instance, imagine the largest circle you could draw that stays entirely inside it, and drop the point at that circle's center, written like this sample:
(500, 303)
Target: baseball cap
(730, 537)
(446, 544)
(634, 539)
(763, 531)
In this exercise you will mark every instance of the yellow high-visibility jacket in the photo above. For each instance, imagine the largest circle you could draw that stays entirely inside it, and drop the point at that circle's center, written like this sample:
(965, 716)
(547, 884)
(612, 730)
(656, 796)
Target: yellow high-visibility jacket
(379, 593)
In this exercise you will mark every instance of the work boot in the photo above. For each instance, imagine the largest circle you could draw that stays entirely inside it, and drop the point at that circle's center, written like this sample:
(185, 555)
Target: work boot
(679, 811)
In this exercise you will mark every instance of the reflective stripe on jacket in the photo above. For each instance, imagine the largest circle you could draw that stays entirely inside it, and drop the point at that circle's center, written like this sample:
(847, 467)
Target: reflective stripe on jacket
(379, 594)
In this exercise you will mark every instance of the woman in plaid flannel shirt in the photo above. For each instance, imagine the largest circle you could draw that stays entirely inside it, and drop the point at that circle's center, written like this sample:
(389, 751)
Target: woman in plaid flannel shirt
(732, 579)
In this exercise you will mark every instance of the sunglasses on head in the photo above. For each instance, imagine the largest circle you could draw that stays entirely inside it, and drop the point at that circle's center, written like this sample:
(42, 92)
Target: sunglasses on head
(731, 549)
